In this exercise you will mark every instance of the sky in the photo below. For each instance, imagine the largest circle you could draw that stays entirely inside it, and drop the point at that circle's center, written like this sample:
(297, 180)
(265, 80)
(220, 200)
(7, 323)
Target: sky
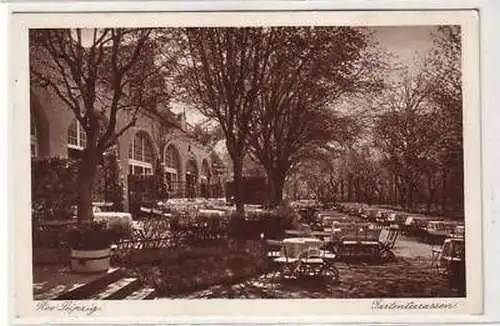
(405, 42)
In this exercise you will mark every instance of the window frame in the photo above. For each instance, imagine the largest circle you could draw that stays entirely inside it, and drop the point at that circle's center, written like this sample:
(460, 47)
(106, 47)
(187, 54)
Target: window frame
(140, 162)
(81, 142)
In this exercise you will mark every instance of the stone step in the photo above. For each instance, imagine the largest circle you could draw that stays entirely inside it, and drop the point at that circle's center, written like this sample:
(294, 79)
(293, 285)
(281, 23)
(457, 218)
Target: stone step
(80, 291)
(145, 293)
(117, 290)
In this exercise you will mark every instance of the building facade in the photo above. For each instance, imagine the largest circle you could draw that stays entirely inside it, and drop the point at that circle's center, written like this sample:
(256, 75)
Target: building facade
(156, 141)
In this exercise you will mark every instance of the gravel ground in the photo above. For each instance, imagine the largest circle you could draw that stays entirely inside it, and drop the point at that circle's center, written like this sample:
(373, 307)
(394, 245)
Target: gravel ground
(411, 275)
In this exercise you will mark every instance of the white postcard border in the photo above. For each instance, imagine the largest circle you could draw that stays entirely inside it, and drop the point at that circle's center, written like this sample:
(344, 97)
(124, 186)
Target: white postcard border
(25, 307)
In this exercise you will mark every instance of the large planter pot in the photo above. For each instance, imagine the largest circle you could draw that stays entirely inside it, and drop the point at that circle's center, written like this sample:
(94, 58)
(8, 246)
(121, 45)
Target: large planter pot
(90, 261)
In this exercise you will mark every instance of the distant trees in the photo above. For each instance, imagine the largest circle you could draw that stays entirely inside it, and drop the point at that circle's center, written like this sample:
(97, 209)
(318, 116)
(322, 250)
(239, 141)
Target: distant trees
(98, 74)
(446, 69)
(420, 130)
(409, 151)
(408, 134)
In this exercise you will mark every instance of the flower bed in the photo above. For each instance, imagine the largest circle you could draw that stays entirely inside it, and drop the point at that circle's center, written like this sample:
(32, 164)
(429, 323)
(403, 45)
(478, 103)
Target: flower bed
(188, 269)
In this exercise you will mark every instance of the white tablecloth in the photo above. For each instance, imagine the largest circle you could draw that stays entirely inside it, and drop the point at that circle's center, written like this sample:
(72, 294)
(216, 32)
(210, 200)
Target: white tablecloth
(122, 218)
(295, 246)
(210, 213)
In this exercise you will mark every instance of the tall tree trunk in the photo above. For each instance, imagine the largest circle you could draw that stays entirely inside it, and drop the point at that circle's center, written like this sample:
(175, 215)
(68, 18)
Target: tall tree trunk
(381, 194)
(409, 192)
(276, 181)
(342, 191)
(349, 189)
(270, 188)
(401, 192)
(278, 184)
(444, 191)
(368, 187)
(238, 179)
(429, 193)
(395, 187)
(87, 174)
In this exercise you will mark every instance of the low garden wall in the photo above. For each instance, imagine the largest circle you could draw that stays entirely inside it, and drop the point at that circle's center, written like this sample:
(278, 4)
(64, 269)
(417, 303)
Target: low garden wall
(190, 269)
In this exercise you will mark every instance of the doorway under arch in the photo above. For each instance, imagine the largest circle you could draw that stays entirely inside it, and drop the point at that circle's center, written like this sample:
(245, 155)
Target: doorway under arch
(172, 168)
(205, 179)
(191, 178)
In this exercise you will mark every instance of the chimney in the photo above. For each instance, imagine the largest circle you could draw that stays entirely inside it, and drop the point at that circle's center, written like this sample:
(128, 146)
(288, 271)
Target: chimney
(181, 117)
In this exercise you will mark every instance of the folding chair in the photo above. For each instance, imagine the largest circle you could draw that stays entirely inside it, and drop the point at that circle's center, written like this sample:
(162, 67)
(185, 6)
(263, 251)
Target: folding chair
(387, 241)
(287, 266)
(273, 248)
(310, 262)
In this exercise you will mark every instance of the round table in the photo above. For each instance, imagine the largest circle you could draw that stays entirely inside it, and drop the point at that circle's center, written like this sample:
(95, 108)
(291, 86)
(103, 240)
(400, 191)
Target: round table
(295, 246)
(211, 213)
(122, 218)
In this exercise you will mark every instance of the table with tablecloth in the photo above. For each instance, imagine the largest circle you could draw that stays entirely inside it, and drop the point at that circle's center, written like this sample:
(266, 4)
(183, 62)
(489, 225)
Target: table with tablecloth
(295, 246)
(122, 218)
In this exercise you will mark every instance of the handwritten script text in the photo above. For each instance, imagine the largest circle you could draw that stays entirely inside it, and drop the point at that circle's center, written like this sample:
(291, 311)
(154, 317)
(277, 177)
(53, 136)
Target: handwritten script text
(69, 307)
(380, 304)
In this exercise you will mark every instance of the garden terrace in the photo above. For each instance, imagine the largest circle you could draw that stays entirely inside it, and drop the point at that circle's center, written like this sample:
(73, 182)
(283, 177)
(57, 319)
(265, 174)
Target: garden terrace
(213, 255)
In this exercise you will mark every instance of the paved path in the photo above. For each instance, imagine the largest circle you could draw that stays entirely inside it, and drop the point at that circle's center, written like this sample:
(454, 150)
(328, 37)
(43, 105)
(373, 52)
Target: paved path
(410, 276)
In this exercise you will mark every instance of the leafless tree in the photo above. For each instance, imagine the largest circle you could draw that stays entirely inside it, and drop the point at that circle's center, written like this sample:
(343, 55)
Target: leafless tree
(306, 75)
(223, 74)
(99, 74)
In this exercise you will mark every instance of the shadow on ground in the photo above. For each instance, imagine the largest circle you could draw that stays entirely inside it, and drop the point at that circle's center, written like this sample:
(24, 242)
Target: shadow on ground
(407, 277)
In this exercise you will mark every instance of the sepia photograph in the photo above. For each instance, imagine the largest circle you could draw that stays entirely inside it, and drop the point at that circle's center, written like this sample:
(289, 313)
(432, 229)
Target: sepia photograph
(286, 161)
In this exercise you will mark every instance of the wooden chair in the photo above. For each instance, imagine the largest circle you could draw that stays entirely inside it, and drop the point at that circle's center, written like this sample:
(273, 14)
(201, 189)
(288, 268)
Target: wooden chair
(387, 241)
(310, 263)
(286, 265)
(273, 248)
(314, 262)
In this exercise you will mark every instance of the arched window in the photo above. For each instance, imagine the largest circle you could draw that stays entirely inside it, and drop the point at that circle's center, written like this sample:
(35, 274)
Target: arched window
(77, 138)
(141, 155)
(33, 136)
(172, 167)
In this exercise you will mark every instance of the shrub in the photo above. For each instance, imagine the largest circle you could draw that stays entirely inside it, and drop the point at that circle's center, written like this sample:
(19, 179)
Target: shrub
(47, 238)
(154, 228)
(184, 270)
(53, 188)
(270, 223)
(119, 231)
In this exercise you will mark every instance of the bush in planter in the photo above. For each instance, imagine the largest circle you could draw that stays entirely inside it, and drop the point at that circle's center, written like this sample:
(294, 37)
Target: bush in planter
(91, 236)
(96, 235)
(90, 244)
